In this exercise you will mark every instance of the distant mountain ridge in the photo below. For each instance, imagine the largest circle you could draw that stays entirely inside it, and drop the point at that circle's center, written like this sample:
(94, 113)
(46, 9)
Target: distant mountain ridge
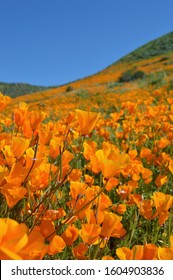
(18, 89)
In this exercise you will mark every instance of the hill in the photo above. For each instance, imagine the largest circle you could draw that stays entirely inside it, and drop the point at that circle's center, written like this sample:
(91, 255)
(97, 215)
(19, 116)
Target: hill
(151, 64)
(87, 169)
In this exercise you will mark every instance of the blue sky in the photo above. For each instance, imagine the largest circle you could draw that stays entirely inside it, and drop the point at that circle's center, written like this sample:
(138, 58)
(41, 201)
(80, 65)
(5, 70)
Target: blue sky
(52, 42)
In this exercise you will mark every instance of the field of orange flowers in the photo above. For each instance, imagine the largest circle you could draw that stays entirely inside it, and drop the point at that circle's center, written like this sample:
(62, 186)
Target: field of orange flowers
(92, 182)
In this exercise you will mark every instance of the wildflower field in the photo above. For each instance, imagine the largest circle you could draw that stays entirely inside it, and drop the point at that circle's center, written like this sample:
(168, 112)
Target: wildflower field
(86, 172)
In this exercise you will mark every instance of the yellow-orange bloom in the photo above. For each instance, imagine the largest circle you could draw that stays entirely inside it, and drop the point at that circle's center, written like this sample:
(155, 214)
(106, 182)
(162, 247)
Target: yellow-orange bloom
(165, 253)
(111, 162)
(19, 146)
(36, 117)
(56, 245)
(13, 237)
(20, 113)
(79, 251)
(161, 180)
(35, 249)
(70, 235)
(112, 226)
(13, 193)
(4, 100)
(162, 203)
(87, 121)
(138, 252)
(90, 233)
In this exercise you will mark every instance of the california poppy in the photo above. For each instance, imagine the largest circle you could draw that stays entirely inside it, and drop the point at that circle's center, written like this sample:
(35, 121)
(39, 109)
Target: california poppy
(87, 121)
(13, 237)
(110, 162)
(4, 100)
(90, 233)
(56, 245)
(70, 235)
(20, 113)
(79, 251)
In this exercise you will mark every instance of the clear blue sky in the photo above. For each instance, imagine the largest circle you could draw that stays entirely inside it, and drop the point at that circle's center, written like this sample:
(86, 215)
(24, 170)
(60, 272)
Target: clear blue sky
(52, 42)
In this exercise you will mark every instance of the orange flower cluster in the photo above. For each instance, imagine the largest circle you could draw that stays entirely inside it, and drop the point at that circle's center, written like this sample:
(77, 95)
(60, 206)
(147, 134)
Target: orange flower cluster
(87, 183)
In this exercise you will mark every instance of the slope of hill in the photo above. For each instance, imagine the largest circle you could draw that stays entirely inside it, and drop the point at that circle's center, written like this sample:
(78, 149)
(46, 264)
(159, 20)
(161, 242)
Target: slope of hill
(162, 45)
(96, 182)
(153, 57)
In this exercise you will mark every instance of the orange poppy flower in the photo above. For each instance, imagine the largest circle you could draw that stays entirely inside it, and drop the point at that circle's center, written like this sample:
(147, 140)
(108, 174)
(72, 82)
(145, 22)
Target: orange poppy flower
(79, 206)
(135, 199)
(17, 174)
(13, 194)
(165, 253)
(54, 214)
(79, 251)
(70, 117)
(105, 258)
(88, 179)
(56, 246)
(147, 175)
(146, 153)
(112, 226)
(112, 183)
(162, 203)
(20, 114)
(39, 178)
(104, 202)
(138, 252)
(8, 154)
(35, 249)
(77, 189)
(70, 235)
(125, 190)
(19, 146)
(3, 173)
(55, 146)
(47, 228)
(4, 100)
(150, 252)
(93, 165)
(161, 180)
(27, 129)
(124, 253)
(133, 154)
(36, 117)
(87, 121)
(75, 175)
(111, 162)
(162, 143)
(94, 216)
(89, 149)
(119, 208)
(13, 237)
(90, 233)
(146, 209)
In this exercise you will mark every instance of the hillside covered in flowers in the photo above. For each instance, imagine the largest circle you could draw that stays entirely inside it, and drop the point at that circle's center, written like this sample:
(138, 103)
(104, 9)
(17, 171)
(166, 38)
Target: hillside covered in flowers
(86, 169)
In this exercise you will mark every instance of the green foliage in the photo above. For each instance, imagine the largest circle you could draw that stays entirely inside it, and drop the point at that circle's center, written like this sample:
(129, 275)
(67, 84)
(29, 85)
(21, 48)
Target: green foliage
(69, 88)
(113, 84)
(170, 86)
(157, 79)
(162, 45)
(82, 94)
(131, 75)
